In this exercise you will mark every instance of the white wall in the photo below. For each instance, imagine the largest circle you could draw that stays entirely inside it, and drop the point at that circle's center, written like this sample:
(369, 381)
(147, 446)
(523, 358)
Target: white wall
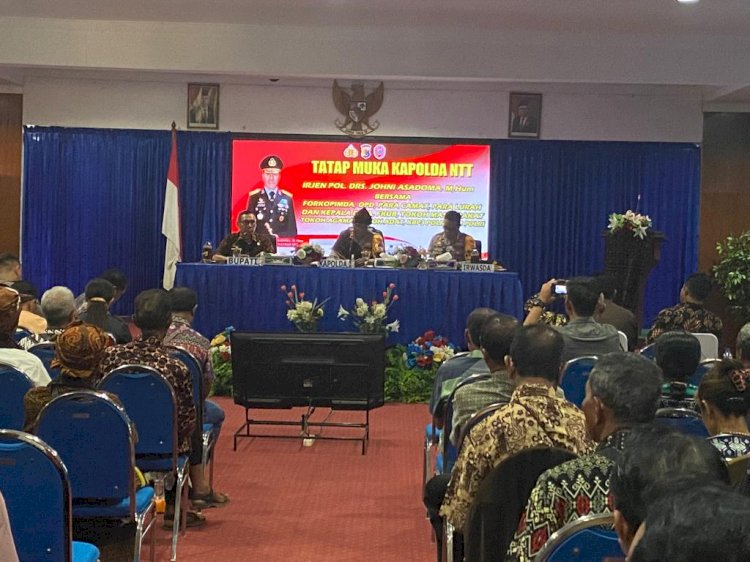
(475, 112)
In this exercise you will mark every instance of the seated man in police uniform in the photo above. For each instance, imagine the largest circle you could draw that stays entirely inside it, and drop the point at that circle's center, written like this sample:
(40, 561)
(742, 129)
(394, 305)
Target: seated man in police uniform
(249, 242)
(451, 239)
(359, 241)
(273, 207)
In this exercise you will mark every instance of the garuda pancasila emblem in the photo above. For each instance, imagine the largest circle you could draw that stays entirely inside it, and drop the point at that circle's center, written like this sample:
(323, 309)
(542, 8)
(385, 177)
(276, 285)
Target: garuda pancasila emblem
(357, 108)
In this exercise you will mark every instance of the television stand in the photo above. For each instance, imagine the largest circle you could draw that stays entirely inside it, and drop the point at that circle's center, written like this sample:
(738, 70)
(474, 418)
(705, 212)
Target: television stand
(305, 424)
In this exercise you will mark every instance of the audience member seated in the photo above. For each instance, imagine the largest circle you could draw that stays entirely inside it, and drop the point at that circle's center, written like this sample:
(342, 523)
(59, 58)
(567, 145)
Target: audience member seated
(689, 314)
(496, 338)
(10, 353)
(451, 240)
(184, 302)
(460, 365)
(99, 296)
(119, 282)
(678, 354)
(724, 402)
(78, 351)
(705, 521)
(10, 269)
(534, 417)
(655, 459)
(31, 318)
(7, 545)
(743, 345)
(153, 315)
(582, 334)
(248, 241)
(612, 313)
(58, 307)
(360, 241)
(622, 391)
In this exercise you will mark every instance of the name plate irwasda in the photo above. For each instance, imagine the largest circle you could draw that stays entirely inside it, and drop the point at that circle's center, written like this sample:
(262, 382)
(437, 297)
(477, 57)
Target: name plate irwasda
(477, 267)
(331, 262)
(244, 260)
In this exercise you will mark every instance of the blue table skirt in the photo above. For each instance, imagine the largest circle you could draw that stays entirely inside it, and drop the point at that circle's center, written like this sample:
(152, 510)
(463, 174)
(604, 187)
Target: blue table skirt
(250, 299)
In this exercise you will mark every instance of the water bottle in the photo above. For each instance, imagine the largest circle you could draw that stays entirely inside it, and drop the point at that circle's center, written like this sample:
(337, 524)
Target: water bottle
(727, 353)
(208, 252)
(159, 501)
(475, 256)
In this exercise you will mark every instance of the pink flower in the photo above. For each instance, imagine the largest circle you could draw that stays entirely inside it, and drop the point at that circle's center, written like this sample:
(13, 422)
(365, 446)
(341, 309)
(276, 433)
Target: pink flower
(395, 297)
(384, 294)
(294, 287)
(290, 295)
(283, 288)
(289, 303)
(392, 286)
(302, 295)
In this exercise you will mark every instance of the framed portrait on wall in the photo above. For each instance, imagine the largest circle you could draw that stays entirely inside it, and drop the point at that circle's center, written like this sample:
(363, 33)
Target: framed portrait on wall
(203, 106)
(524, 115)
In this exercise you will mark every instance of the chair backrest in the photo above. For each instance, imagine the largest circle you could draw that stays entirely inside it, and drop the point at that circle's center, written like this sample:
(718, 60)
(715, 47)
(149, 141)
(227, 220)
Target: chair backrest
(150, 403)
(573, 378)
(94, 437)
(13, 387)
(196, 374)
(20, 333)
(685, 421)
(739, 470)
(450, 452)
(623, 340)
(649, 351)
(582, 539)
(501, 499)
(34, 483)
(709, 345)
(46, 353)
(703, 367)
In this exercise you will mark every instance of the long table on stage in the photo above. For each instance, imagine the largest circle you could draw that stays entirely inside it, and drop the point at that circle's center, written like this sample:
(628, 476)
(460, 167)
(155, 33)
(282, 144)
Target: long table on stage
(250, 299)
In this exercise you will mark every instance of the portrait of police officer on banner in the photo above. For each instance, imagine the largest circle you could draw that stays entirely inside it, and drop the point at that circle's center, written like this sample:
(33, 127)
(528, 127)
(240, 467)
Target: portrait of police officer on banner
(273, 207)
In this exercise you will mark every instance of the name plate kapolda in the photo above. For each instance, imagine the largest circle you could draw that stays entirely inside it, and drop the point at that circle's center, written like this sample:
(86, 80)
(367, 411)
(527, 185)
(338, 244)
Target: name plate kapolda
(244, 260)
(332, 262)
(477, 267)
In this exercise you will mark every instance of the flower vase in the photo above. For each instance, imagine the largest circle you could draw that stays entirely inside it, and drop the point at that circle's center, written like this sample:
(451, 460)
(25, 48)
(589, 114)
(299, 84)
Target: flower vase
(307, 327)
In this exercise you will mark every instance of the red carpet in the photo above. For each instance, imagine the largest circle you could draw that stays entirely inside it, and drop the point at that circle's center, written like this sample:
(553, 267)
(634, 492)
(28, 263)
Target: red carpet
(321, 503)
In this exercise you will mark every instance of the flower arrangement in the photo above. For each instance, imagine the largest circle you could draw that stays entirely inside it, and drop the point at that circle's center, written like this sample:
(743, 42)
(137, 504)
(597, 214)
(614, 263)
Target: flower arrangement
(635, 222)
(408, 256)
(308, 253)
(220, 354)
(304, 314)
(427, 350)
(372, 318)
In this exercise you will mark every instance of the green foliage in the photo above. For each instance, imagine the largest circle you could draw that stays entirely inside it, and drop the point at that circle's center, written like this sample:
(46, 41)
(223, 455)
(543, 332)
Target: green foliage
(405, 384)
(732, 273)
(222, 385)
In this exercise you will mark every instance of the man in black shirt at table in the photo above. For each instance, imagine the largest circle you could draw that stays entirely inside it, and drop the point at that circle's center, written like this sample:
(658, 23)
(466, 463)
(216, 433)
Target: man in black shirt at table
(249, 242)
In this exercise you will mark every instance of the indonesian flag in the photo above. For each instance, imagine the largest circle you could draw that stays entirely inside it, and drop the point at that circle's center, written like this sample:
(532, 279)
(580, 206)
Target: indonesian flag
(170, 224)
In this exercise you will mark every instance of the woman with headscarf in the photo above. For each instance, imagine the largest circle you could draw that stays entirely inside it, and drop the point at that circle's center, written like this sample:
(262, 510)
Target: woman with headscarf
(10, 353)
(78, 351)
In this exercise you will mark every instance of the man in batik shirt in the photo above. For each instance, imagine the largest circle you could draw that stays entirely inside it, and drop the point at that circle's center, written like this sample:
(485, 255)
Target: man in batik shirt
(623, 390)
(459, 244)
(689, 315)
(534, 417)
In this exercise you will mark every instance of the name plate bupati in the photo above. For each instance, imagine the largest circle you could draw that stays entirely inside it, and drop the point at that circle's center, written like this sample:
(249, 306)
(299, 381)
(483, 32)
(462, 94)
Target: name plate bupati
(244, 260)
(477, 267)
(333, 262)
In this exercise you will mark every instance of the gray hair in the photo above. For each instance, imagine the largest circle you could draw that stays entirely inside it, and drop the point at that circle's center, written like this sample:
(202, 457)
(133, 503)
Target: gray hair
(629, 385)
(57, 305)
(743, 343)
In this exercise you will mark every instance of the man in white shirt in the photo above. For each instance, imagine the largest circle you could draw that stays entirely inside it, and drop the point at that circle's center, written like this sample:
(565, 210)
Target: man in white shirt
(10, 353)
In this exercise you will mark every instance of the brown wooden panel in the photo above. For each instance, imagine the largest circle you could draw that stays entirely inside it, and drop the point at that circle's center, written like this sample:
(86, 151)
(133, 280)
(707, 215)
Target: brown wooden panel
(11, 114)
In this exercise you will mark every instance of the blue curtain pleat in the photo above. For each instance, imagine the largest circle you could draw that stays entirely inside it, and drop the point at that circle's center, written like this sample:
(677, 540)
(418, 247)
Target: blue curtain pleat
(94, 198)
(550, 201)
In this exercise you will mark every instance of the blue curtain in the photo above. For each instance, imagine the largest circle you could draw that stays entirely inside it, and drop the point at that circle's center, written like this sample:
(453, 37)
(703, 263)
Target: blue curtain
(93, 199)
(550, 201)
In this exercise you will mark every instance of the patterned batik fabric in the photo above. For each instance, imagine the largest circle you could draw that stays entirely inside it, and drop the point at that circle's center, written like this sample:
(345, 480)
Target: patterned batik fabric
(534, 417)
(731, 445)
(563, 494)
(181, 334)
(685, 316)
(151, 353)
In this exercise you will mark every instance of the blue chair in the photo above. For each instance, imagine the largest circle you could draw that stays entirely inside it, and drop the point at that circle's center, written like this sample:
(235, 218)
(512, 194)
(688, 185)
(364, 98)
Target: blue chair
(13, 387)
(34, 483)
(574, 376)
(649, 351)
(46, 352)
(582, 540)
(94, 437)
(685, 421)
(703, 367)
(447, 458)
(209, 433)
(20, 333)
(150, 403)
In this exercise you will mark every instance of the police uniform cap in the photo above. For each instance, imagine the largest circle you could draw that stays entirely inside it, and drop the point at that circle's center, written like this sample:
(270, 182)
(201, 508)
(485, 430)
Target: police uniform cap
(362, 217)
(271, 163)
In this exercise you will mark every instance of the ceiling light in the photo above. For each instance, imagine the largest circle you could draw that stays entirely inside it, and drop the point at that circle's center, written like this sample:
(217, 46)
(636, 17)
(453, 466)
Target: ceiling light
(688, 1)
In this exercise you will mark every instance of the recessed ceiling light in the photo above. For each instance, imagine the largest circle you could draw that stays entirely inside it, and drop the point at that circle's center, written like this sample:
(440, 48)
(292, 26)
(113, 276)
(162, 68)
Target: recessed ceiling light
(688, 1)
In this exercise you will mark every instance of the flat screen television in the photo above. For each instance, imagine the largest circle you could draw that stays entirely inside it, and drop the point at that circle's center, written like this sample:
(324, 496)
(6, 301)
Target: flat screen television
(283, 370)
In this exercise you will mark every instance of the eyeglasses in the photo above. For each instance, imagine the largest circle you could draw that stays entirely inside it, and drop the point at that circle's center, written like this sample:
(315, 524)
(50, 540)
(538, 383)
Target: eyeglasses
(248, 221)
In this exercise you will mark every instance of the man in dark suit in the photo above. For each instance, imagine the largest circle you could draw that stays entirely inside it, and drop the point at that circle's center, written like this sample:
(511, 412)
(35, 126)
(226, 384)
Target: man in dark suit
(523, 122)
(203, 112)
(274, 207)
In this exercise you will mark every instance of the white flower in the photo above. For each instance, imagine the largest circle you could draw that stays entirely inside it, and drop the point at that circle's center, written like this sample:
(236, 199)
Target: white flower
(301, 254)
(291, 315)
(359, 302)
(343, 313)
(370, 320)
(392, 327)
(361, 309)
(379, 311)
(403, 258)
(304, 306)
